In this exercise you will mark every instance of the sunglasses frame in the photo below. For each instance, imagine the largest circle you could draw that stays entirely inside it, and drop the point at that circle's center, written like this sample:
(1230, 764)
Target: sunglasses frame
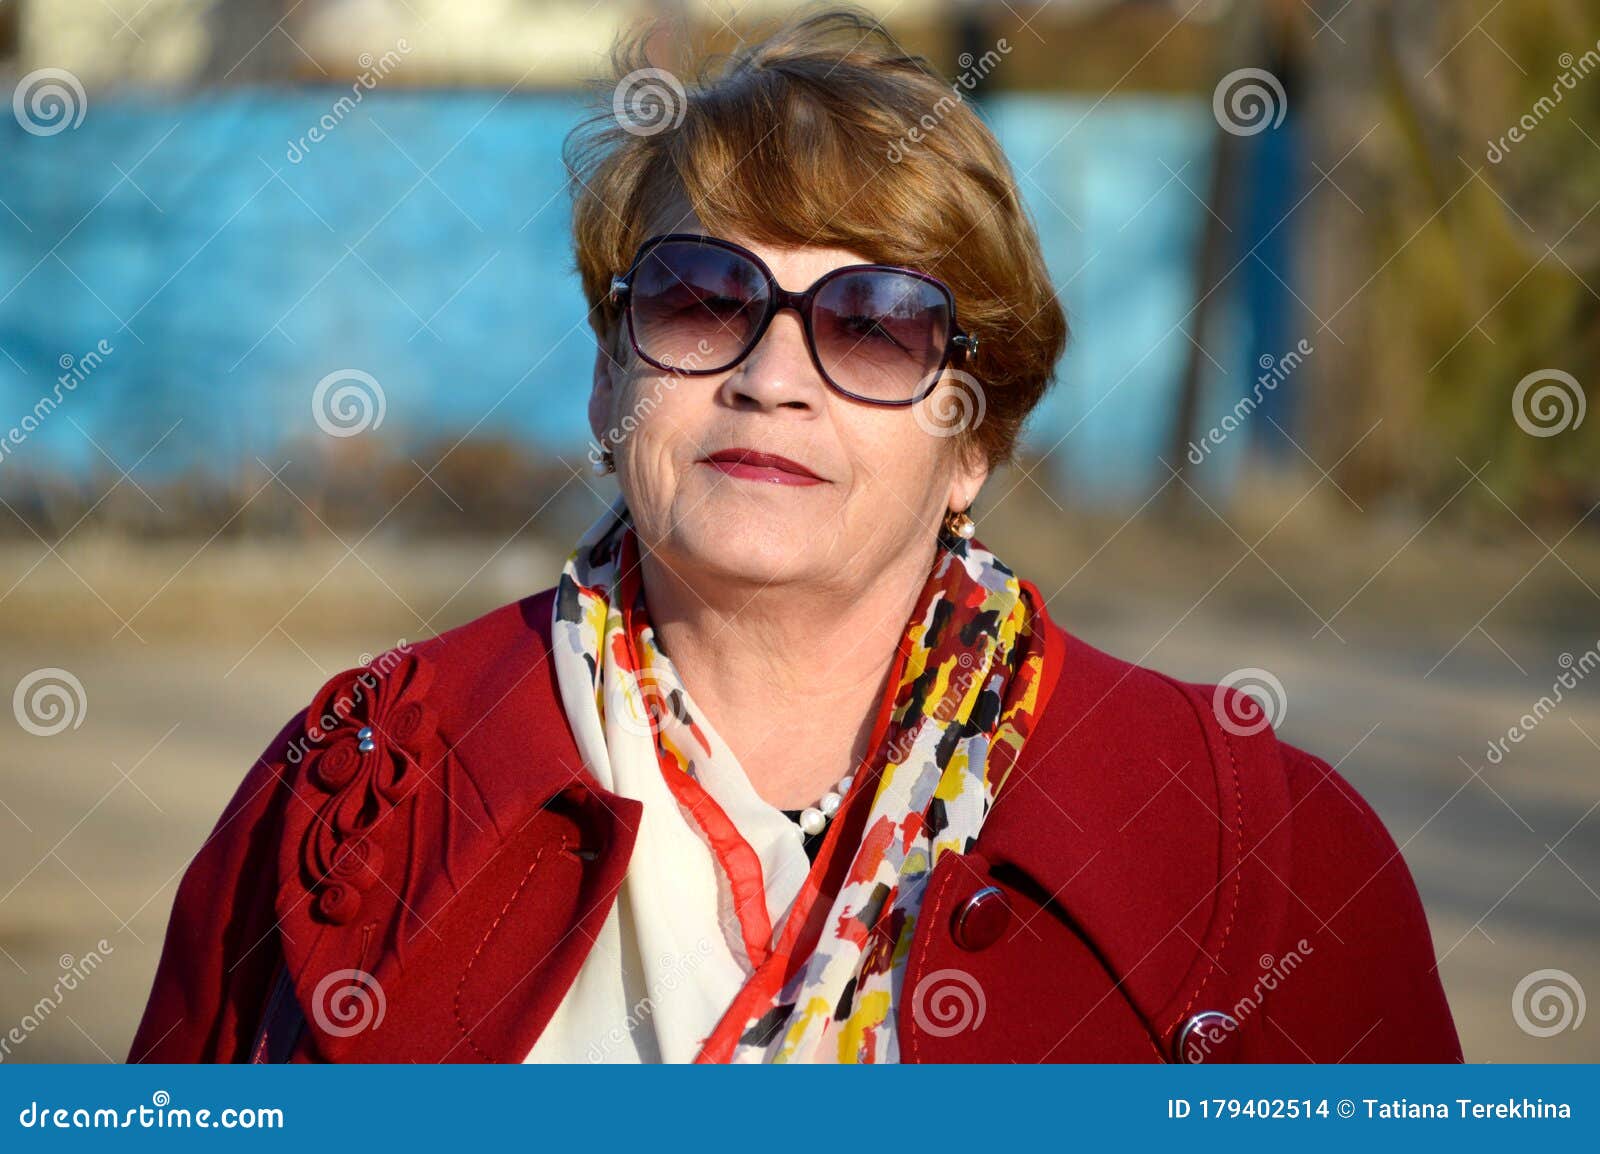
(780, 298)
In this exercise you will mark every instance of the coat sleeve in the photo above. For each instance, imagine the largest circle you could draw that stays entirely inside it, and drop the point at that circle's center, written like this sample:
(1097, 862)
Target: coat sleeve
(1366, 984)
(221, 950)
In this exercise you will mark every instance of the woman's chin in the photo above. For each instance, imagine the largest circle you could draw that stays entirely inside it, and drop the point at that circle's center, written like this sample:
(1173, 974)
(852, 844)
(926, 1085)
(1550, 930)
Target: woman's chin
(751, 548)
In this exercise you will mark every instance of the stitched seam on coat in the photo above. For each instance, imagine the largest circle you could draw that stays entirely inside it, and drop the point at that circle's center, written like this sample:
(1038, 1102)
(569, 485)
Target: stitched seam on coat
(489, 933)
(920, 961)
(1238, 869)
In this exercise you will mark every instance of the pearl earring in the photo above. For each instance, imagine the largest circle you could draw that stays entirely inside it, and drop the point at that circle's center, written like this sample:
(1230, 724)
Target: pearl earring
(960, 524)
(605, 463)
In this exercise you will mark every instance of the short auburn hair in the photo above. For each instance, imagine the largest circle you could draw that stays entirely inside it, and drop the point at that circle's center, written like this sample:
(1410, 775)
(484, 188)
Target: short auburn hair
(826, 133)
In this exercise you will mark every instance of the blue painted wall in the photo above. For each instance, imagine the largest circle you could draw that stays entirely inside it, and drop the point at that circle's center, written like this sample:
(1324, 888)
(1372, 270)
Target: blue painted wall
(229, 278)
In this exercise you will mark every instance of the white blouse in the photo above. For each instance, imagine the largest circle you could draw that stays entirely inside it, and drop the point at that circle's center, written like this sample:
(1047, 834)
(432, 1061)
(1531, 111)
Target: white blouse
(670, 957)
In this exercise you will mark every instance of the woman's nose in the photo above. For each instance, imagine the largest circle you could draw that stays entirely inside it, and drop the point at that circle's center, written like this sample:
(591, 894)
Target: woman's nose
(779, 372)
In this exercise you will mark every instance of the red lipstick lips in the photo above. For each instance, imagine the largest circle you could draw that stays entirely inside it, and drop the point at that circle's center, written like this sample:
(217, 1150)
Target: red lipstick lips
(751, 465)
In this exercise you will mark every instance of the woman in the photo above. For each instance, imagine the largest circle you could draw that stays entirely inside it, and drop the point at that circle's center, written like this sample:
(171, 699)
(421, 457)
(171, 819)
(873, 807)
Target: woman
(876, 805)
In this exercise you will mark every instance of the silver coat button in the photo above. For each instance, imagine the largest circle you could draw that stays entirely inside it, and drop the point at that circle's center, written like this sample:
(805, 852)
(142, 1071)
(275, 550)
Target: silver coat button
(1202, 1035)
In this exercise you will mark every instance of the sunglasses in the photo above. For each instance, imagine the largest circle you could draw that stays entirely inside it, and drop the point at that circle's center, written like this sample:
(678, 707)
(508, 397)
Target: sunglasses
(877, 333)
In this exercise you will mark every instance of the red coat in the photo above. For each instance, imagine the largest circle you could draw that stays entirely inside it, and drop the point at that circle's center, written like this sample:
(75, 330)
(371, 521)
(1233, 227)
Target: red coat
(1144, 869)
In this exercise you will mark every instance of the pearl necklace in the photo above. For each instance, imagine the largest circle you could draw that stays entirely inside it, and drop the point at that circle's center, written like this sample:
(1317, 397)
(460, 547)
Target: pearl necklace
(814, 818)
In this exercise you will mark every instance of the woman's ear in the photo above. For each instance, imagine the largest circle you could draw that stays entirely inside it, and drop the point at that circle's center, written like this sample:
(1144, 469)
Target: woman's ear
(602, 391)
(972, 470)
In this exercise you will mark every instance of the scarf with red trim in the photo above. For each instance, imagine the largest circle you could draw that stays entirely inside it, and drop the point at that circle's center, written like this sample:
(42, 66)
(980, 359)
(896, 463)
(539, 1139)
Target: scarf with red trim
(727, 943)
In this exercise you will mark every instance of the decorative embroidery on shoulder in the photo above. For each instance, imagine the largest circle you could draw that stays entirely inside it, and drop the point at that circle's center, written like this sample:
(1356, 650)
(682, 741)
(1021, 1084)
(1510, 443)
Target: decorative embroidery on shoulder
(370, 737)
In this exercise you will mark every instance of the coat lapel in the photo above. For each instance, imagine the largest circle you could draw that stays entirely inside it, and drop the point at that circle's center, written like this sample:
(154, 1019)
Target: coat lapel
(447, 862)
(1138, 821)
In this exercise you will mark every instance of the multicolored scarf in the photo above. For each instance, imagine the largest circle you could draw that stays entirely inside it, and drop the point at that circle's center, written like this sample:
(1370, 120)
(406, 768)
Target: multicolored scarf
(743, 950)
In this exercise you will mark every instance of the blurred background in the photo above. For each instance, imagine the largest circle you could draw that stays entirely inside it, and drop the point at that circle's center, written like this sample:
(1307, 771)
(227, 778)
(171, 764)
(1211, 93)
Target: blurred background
(293, 364)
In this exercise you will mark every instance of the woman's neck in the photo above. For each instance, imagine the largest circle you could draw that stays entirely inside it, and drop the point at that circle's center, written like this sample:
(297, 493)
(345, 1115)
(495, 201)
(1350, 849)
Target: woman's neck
(790, 677)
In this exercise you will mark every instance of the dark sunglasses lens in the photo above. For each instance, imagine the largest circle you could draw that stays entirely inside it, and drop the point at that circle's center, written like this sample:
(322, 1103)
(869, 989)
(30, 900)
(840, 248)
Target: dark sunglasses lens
(694, 307)
(879, 333)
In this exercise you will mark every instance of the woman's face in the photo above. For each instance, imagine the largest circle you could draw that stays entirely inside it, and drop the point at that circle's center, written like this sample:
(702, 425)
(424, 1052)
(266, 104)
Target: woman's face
(886, 478)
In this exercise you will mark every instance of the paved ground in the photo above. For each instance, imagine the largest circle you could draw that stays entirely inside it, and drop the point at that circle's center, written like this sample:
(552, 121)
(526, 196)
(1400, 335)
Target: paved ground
(98, 821)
